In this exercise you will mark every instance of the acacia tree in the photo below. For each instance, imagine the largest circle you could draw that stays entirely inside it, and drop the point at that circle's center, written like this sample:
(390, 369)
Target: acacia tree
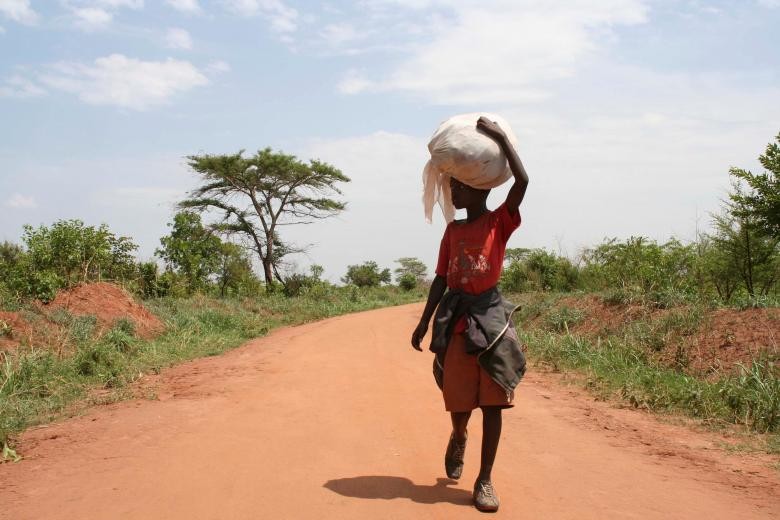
(259, 194)
(411, 266)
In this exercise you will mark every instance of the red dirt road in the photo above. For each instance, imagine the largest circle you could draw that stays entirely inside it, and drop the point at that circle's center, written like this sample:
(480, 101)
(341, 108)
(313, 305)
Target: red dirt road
(342, 419)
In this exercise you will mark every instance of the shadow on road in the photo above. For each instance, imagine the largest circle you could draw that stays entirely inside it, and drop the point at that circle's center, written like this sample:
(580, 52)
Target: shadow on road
(389, 488)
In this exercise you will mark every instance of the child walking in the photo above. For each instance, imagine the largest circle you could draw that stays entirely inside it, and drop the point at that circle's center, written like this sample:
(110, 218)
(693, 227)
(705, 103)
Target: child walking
(478, 360)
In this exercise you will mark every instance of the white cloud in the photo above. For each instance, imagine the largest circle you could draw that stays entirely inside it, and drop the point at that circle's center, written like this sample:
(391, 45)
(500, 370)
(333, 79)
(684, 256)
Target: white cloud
(354, 82)
(501, 51)
(769, 3)
(218, 67)
(115, 4)
(340, 33)
(186, 6)
(91, 18)
(19, 87)
(177, 38)
(19, 11)
(94, 15)
(282, 17)
(19, 201)
(124, 82)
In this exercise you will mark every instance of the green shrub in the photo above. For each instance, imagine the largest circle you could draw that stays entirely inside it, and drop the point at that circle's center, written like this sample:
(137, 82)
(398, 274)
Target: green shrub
(407, 281)
(538, 270)
(102, 361)
(367, 274)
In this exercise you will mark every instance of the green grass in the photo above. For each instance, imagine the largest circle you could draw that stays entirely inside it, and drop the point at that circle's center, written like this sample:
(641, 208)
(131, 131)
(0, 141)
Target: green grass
(38, 385)
(614, 369)
(561, 318)
(624, 365)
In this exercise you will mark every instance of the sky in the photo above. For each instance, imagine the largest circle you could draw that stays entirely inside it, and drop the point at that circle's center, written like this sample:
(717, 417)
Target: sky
(628, 113)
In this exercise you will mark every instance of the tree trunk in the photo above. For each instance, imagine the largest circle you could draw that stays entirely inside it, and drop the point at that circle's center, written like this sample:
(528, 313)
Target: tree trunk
(749, 259)
(268, 260)
(268, 272)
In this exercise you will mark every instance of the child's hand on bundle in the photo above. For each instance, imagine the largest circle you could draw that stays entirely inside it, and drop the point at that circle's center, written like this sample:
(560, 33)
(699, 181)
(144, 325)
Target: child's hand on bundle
(490, 128)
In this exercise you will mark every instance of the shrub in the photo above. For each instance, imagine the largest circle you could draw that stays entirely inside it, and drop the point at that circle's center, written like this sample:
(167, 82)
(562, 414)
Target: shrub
(102, 361)
(407, 281)
(366, 274)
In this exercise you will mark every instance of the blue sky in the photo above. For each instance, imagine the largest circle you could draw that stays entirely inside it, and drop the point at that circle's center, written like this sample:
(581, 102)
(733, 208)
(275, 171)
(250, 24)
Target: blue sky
(628, 112)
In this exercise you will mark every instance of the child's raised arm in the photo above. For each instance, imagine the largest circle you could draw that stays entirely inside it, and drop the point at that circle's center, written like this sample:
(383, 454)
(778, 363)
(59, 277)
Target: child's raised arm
(517, 191)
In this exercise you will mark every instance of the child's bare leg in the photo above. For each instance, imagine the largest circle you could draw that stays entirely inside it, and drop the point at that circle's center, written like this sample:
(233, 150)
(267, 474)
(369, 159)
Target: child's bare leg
(459, 422)
(491, 432)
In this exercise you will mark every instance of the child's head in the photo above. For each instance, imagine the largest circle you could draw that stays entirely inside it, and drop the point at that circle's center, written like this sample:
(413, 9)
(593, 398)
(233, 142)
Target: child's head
(464, 196)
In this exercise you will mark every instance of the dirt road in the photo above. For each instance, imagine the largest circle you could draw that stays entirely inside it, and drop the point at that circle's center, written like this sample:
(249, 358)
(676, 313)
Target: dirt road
(342, 419)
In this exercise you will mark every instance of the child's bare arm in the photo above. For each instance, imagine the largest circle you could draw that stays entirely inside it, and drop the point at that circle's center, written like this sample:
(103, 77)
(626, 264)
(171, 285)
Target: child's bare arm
(438, 287)
(517, 191)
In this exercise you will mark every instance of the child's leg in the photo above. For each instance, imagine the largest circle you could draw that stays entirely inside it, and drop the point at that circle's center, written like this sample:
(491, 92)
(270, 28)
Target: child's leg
(459, 422)
(491, 432)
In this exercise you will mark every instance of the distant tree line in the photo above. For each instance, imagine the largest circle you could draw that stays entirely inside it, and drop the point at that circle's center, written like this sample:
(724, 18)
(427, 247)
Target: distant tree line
(192, 259)
(251, 198)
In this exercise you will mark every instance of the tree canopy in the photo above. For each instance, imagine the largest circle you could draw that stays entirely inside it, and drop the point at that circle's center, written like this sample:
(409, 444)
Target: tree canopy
(761, 200)
(413, 266)
(256, 196)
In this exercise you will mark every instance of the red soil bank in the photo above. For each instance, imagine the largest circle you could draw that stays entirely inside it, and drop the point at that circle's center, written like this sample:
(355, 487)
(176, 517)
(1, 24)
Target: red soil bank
(107, 303)
(724, 339)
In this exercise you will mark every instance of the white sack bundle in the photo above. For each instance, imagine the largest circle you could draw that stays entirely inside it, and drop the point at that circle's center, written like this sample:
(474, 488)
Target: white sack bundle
(459, 150)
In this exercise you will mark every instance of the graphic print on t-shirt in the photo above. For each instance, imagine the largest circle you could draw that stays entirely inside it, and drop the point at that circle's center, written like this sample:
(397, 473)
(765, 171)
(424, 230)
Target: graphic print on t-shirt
(471, 254)
(470, 264)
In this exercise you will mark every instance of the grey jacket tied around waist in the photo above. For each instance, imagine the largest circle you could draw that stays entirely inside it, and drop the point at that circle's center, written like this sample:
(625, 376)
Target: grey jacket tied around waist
(490, 335)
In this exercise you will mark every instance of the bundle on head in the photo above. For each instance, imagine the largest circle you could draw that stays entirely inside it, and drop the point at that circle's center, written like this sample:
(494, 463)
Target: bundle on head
(458, 150)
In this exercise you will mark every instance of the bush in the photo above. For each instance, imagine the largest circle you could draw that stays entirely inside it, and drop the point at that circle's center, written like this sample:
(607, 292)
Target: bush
(296, 283)
(538, 270)
(407, 281)
(71, 252)
(150, 283)
(366, 274)
(640, 264)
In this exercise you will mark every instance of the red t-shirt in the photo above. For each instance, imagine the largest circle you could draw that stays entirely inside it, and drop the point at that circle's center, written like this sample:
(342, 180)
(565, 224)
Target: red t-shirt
(471, 254)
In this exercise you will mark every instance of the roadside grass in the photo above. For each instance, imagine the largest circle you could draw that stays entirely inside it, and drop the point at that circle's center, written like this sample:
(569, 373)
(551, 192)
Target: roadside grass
(617, 370)
(38, 385)
(621, 366)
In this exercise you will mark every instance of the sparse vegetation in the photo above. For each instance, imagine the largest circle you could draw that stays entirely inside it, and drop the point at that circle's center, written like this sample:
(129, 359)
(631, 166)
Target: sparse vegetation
(645, 358)
(615, 368)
